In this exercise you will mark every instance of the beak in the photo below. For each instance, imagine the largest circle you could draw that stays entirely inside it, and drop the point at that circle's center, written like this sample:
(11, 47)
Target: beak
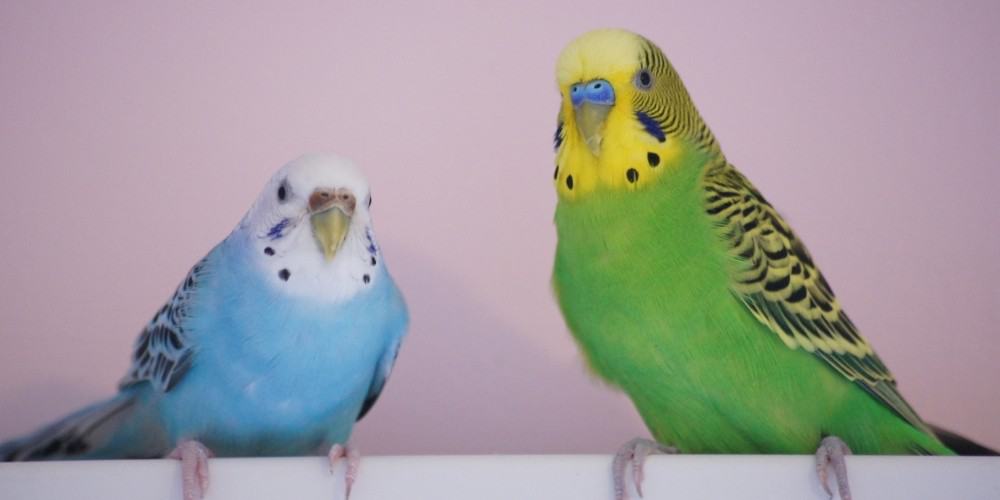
(590, 118)
(591, 103)
(330, 216)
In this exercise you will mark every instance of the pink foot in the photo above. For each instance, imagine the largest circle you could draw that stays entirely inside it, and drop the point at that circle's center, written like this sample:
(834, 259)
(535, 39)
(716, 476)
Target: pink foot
(634, 452)
(831, 452)
(194, 468)
(339, 451)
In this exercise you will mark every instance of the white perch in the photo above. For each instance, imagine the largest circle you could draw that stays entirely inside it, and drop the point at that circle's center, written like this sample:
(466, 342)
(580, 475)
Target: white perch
(506, 477)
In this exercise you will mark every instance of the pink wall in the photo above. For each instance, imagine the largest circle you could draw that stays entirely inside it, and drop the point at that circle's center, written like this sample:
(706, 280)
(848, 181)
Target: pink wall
(132, 138)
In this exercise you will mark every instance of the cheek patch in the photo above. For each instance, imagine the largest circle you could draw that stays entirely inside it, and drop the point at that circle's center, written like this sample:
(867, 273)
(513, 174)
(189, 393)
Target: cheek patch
(651, 126)
(276, 230)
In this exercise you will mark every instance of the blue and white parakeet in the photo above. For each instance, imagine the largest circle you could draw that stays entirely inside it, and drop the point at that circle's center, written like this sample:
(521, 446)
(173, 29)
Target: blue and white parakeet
(274, 344)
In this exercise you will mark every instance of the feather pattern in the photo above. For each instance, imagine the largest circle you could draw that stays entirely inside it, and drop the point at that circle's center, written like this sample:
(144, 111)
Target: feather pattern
(163, 352)
(780, 284)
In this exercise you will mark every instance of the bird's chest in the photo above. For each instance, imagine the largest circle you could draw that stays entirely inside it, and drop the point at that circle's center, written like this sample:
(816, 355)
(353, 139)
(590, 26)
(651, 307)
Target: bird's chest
(309, 383)
(277, 386)
(640, 284)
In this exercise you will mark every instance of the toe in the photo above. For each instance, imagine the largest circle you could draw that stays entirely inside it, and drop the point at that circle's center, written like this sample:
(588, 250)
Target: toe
(831, 453)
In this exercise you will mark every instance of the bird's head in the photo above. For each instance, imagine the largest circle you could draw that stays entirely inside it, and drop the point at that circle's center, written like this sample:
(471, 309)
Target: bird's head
(311, 230)
(625, 115)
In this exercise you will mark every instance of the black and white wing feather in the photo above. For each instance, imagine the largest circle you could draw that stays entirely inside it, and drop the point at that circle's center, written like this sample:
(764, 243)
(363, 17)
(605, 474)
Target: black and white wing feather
(163, 351)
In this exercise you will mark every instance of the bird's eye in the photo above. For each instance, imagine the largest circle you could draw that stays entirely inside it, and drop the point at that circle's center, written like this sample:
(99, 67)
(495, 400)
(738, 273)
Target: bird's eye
(644, 79)
(282, 192)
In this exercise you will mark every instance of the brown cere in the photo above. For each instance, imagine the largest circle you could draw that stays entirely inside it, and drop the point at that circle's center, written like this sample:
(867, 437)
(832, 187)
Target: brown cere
(324, 198)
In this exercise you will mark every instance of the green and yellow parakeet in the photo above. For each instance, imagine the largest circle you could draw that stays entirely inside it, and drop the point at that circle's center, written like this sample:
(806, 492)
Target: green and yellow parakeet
(687, 290)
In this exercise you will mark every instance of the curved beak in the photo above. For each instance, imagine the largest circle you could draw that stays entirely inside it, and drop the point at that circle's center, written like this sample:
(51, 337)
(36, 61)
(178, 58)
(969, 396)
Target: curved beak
(590, 117)
(330, 217)
(591, 103)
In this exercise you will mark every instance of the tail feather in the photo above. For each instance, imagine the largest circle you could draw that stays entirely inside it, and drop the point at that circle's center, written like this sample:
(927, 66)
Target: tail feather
(75, 436)
(962, 445)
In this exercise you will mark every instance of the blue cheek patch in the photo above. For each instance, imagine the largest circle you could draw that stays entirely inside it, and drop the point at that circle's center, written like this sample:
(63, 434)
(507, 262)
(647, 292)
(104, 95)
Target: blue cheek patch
(599, 92)
(651, 125)
(371, 243)
(275, 231)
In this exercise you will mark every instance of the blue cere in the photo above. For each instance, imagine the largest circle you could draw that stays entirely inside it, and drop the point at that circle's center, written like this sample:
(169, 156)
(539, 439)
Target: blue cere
(599, 92)
(576, 93)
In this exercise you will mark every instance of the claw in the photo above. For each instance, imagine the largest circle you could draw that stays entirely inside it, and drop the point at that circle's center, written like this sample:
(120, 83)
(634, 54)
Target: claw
(634, 452)
(194, 468)
(339, 451)
(831, 452)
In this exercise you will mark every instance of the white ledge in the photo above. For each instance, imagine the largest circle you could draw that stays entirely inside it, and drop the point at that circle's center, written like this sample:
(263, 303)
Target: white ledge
(500, 477)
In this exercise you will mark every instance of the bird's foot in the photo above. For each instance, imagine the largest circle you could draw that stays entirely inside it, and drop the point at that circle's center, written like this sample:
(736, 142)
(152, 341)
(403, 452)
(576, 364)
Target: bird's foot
(831, 452)
(634, 452)
(339, 451)
(194, 468)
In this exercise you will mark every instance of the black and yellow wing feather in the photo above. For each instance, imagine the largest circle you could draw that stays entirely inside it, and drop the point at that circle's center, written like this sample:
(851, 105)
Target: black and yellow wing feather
(779, 283)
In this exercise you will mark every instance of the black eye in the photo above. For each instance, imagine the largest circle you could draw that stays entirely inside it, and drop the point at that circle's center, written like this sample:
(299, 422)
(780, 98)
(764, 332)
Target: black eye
(282, 192)
(643, 79)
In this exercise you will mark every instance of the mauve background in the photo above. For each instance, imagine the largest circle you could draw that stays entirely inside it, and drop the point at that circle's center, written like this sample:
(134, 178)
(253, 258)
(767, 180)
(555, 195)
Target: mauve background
(134, 135)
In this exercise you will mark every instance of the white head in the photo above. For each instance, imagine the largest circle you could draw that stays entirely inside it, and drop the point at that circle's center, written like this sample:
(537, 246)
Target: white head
(310, 229)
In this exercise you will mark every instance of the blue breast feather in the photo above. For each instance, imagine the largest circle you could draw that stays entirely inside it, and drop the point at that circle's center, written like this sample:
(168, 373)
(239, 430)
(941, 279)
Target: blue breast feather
(276, 375)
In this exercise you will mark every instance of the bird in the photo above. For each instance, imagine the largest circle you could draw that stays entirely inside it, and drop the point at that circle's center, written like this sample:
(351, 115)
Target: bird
(274, 344)
(686, 289)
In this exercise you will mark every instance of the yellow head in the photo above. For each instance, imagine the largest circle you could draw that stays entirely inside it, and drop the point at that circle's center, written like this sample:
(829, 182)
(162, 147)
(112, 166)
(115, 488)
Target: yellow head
(625, 116)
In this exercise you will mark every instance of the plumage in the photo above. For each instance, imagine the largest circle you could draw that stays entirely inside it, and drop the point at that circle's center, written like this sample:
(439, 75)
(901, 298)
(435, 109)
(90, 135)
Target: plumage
(685, 288)
(274, 344)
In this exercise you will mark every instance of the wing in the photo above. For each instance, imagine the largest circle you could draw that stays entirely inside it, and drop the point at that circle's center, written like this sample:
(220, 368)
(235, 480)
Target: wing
(382, 372)
(779, 283)
(163, 351)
